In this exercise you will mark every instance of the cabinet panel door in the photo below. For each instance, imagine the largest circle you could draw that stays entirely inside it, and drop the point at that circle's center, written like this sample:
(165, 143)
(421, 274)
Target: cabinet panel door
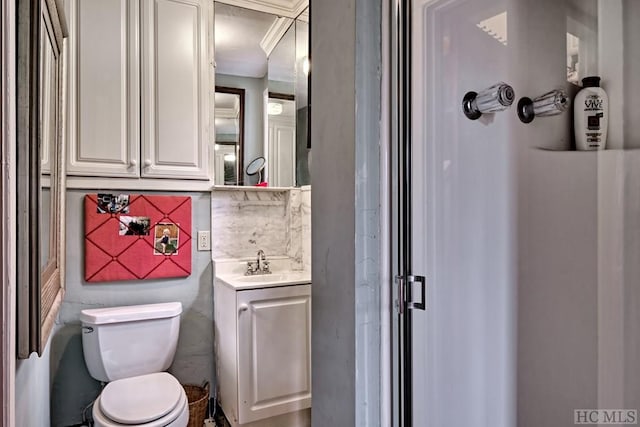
(175, 89)
(274, 351)
(105, 88)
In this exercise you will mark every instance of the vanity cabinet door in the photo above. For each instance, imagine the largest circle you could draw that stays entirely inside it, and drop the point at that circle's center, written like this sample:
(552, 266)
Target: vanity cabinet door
(274, 351)
(104, 92)
(175, 91)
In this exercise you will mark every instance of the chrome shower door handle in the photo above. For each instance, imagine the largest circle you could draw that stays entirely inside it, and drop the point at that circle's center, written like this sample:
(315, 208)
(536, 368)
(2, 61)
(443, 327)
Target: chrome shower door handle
(405, 293)
(422, 305)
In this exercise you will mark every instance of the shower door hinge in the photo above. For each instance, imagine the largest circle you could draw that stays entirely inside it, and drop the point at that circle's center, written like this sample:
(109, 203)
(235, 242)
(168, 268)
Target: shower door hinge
(405, 293)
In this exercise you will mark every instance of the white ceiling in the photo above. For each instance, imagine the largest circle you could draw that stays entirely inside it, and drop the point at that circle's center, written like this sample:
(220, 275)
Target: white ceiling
(282, 61)
(238, 33)
(242, 35)
(286, 8)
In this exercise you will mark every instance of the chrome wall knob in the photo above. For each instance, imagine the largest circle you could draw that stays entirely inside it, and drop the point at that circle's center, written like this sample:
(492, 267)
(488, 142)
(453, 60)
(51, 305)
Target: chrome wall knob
(493, 99)
(551, 103)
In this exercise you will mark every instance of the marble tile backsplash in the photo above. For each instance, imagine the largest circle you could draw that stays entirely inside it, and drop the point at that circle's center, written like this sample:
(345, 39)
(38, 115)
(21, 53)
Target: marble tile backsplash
(244, 220)
(305, 211)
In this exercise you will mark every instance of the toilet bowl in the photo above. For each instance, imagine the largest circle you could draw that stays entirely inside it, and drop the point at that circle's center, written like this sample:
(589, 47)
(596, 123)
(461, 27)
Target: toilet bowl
(152, 400)
(130, 348)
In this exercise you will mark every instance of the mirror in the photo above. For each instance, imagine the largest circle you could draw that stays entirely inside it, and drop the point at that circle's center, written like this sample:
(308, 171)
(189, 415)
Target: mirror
(303, 70)
(261, 54)
(40, 181)
(229, 131)
(582, 39)
(281, 112)
(255, 168)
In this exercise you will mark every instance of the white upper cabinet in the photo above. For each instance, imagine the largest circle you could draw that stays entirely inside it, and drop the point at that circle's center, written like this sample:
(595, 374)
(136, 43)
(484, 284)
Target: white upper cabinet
(139, 89)
(175, 89)
(104, 138)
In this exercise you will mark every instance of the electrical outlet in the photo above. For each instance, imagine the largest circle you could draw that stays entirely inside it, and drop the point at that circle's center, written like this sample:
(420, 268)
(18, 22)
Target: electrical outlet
(204, 240)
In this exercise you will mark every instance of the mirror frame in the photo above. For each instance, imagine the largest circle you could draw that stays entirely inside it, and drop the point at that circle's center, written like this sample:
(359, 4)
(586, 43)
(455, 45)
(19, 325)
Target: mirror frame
(39, 293)
(240, 156)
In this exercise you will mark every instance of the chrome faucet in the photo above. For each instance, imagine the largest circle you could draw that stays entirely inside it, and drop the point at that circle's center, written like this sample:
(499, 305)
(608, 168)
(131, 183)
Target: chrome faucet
(259, 266)
(263, 264)
(261, 259)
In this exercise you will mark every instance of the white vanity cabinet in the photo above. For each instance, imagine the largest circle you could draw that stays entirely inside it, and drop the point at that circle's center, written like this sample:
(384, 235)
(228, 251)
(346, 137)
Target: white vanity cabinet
(263, 347)
(139, 77)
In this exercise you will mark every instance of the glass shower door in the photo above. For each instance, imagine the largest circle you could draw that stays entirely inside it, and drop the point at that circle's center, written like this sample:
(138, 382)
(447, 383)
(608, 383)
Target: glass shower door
(529, 247)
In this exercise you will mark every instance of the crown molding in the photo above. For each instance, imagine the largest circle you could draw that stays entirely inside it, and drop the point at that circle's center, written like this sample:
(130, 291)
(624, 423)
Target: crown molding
(300, 7)
(285, 8)
(274, 34)
(304, 15)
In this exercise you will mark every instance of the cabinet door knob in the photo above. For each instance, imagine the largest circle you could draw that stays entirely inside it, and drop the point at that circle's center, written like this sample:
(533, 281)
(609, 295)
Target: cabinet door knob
(242, 307)
(133, 162)
(147, 162)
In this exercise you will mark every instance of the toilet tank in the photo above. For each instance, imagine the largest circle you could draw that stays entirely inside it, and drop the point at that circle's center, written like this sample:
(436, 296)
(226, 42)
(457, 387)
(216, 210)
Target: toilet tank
(122, 342)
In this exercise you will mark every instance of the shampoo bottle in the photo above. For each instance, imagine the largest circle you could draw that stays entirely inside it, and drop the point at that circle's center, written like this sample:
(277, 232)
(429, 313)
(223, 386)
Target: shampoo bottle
(591, 115)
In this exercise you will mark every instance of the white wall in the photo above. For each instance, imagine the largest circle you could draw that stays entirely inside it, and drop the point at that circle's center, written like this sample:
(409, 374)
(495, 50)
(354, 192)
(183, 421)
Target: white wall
(579, 250)
(631, 17)
(630, 292)
(72, 387)
(557, 233)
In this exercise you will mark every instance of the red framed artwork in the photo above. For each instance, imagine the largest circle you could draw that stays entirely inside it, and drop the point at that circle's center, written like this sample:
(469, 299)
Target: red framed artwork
(136, 237)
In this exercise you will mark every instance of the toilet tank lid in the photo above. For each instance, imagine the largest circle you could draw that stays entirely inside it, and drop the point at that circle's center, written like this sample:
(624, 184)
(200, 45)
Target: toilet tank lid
(100, 316)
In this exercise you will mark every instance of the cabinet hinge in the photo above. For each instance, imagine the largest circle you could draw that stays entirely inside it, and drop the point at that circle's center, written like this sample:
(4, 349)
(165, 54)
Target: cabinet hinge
(405, 299)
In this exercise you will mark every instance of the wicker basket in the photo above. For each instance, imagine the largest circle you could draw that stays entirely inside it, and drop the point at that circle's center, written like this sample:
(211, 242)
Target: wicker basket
(198, 397)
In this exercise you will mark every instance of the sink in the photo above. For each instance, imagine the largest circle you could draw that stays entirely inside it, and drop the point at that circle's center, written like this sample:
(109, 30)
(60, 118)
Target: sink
(272, 278)
(282, 278)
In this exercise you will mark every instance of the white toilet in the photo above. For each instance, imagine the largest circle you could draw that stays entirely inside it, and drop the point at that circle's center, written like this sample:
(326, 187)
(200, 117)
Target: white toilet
(130, 348)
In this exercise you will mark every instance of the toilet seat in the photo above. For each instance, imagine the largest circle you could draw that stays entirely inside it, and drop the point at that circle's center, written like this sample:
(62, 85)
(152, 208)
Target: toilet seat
(152, 400)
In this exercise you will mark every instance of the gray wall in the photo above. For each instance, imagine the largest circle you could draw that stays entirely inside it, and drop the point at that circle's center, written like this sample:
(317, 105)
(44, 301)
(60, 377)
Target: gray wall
(32, 381)
(33, 387)
(253, 115)
(333, 222)
(345, 225)
(72, 388)
(367, 209)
